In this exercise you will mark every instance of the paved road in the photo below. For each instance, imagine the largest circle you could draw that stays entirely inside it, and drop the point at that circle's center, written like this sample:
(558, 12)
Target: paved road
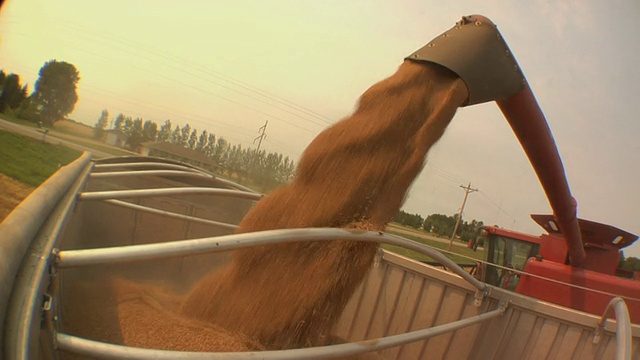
(53, 137)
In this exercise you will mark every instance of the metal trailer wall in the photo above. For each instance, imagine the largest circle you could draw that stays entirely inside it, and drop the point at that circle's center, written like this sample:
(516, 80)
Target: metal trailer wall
(397, 295)
(400, 295)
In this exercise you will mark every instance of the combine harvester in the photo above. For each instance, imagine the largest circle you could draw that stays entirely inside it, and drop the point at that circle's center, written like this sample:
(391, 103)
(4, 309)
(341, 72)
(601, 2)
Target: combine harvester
(555, 296)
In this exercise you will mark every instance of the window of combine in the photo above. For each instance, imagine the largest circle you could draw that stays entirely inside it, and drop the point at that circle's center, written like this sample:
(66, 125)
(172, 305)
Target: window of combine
(507, 253)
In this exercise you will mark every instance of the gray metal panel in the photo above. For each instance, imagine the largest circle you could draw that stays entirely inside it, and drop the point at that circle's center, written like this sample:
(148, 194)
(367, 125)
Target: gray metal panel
(453, 303)
(461, 344)
(432, 294)
(405, 310)
(364, 315)
(428, 296)
(566, 343)
(477, 53)
(386, 303)
(546, 333)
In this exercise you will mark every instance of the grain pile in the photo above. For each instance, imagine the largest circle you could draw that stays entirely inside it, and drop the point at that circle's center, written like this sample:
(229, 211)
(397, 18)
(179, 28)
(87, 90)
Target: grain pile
(354, 174)
(142, 316)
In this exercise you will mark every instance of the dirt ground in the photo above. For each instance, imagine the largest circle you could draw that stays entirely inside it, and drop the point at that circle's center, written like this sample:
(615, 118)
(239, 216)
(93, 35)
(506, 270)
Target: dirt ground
(12, 193)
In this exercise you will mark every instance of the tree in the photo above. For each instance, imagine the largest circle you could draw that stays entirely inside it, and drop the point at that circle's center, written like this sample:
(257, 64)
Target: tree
(127, 126)
(440, 224)
(413, 220)
(176, 136)
(118, 124)
(13, 94)
(221, 150)
(210, 148)
(164, 134)
(193, 139)
(101, 125)
(630, 263)
(135, 132)
(150, 130)
(184, 137)
(202, 141)
(28, 111)
(55, 93)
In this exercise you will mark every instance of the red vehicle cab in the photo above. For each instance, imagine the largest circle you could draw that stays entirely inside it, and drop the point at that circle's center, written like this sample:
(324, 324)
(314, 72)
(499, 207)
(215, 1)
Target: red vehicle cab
(540, 266)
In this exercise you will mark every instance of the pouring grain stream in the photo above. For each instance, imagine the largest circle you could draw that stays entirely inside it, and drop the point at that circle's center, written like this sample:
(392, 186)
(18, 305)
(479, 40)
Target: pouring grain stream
(354, 174)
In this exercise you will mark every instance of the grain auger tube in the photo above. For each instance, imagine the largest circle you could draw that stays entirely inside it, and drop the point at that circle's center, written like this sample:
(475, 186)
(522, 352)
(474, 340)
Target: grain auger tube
(475, 50)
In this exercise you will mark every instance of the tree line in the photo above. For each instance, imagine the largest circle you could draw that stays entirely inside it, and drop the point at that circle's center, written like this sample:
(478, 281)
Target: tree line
(53, 98)
(443, 225)
(439, 224)
(266, 170)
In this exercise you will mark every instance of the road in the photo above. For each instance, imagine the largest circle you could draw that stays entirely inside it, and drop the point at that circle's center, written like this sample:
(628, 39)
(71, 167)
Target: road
(53, 137)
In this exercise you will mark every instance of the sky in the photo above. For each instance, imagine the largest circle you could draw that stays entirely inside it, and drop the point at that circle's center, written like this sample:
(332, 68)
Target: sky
(229, 66)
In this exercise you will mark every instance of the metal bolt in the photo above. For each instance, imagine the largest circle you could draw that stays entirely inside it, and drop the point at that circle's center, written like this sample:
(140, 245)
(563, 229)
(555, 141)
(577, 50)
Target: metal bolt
(445, 35)
(478, 23)
(430, 45)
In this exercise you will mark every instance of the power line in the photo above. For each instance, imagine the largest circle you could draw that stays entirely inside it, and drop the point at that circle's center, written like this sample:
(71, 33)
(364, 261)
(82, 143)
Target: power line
(138, 46)
(262, 135)
(467, 190)
(166, 110)
(446, 174)
(182, 62)
(496, 205)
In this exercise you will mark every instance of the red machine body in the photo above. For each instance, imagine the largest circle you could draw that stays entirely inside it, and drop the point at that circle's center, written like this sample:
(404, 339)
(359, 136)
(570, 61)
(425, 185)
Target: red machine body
(540, 266)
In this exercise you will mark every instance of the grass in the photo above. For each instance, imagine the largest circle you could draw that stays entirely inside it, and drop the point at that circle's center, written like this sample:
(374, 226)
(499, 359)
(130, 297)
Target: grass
(72, 127)
(31, 161)
(453, 255)
(15, 119)
(91, 145)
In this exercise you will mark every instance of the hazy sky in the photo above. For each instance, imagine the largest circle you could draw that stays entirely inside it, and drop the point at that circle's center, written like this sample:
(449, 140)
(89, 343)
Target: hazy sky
(228, 66)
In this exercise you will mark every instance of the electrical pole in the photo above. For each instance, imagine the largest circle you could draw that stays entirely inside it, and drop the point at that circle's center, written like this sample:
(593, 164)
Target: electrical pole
(467, 191)
(262, 135)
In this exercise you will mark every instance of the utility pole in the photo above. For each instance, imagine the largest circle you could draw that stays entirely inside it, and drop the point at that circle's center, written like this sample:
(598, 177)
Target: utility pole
(262, 135)
(467, 190)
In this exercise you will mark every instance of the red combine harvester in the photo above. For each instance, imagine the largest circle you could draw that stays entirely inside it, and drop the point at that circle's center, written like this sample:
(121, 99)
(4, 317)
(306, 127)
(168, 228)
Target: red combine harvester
(540, 266)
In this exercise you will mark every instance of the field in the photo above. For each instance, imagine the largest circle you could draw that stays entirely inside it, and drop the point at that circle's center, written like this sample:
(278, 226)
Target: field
(25, 164)
(75, 128)
(459, 254)
(13, 192)
(31, 161)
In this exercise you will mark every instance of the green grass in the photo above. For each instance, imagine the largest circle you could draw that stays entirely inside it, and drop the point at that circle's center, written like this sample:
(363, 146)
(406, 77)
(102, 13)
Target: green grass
(464, 251)
(15, 119)
(90, 145)
(31, 161)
